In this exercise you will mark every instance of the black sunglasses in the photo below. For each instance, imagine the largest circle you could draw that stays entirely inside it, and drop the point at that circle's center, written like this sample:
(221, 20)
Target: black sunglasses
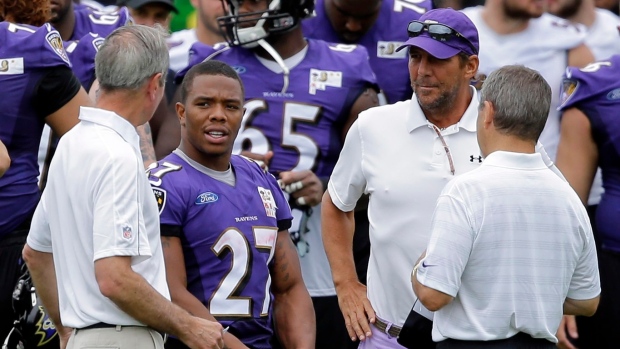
(436, 31)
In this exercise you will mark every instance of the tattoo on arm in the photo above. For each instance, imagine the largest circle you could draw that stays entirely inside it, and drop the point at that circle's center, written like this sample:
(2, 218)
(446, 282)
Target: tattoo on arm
(165, 241)
(146, 144)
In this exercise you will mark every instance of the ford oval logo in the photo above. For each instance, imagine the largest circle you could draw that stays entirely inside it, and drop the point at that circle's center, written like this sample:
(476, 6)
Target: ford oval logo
(206, 198)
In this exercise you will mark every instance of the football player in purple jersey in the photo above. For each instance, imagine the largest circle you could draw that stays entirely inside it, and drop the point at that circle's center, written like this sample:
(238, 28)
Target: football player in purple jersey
(224, 224)
(73, 24)
(590, 138)
(376, 25)
(302, 95)
(36, 89)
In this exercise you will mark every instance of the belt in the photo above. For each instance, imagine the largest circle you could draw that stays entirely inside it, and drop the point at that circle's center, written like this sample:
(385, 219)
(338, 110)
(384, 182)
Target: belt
(164, 336)
(392, 331)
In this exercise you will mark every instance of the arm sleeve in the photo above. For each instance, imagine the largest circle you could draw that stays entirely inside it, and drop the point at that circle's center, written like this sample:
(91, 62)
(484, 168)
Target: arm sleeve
(585, 283)
(118, 226)
(40, 235)
(347, 182)
(55, 89)
(448, 251)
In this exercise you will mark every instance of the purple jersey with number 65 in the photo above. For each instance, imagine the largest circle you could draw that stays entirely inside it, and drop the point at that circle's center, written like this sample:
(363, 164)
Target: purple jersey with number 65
(228, 234)
(302, 126)
(595, 90)
(27, 54)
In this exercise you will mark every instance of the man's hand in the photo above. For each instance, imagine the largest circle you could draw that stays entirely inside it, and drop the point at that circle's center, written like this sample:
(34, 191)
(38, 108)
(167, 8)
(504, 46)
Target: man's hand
(63, 334)
(304, 186)
(356, 309)
(262, 159)
(568, 328)
(203, 334)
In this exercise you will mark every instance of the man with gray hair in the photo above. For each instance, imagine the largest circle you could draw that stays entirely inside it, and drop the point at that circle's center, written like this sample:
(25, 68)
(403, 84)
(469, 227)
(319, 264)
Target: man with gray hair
(511, 246)
(94, 249)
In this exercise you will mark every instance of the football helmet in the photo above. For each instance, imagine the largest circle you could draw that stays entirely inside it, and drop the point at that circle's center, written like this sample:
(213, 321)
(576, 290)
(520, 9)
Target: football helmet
(33, 328)
(245, 29)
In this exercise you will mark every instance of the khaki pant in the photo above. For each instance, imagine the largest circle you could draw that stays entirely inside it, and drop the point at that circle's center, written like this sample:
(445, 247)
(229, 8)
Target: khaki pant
(119, 337)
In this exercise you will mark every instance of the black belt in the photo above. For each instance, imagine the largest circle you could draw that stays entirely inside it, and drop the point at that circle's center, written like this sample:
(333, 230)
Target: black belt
(164, 336)
(393, 331)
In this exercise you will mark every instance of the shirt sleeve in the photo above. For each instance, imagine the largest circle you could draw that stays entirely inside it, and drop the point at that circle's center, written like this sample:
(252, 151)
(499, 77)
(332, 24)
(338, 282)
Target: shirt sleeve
(585, 283)
(283, 213)
(40, 235)
(347, 182)
(119, 228)
(450, 245)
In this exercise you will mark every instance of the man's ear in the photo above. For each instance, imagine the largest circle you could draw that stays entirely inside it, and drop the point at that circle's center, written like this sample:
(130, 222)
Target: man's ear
(180, 108)
(471, 68)
(488, 113)
(155, 83)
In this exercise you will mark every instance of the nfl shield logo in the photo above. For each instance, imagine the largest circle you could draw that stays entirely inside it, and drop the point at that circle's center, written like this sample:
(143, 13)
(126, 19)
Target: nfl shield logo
(127, 232)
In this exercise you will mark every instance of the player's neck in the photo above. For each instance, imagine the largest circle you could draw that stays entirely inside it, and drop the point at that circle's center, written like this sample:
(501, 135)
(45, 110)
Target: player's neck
(586, 14)
(510, 144)
(207, 36)
(287, 44)
(496, 19)
(66, 26)
(213, 162)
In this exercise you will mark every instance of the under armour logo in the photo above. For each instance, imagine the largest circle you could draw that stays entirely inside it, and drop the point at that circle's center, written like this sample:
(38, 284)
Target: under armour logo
(472, 158)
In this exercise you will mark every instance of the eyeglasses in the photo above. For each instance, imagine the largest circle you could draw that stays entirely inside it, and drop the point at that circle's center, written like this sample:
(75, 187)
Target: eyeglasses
(436, 31)
(445, 147)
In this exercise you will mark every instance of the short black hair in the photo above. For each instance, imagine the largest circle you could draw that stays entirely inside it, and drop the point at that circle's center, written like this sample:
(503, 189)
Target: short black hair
(211, 67)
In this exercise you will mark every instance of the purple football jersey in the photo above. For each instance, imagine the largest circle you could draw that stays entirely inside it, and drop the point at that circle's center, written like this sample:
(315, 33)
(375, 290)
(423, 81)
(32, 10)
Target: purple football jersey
(82, 56)
(595, 90)
(27, 54)
(228, 236)
(381, 41)
(88, 20)
(302, 126)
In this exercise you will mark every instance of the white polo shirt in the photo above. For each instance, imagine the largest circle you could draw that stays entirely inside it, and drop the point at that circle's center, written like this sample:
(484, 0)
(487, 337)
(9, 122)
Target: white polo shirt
(97, 204)
(510, 241)
(391, 153)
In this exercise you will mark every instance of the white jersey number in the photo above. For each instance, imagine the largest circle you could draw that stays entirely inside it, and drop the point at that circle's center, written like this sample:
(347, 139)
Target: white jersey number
(222, 302)
(293, 113)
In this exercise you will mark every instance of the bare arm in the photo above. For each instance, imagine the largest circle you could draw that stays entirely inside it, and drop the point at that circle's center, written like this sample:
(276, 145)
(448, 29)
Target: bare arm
(5, 159)
(66, 117)
(135, 296)
(338, 227)
(577, 152)
(580, 56)
(146, 144)
(366, 100)
(293, 310)
(43, 273)
(177, 283)
(585, 307)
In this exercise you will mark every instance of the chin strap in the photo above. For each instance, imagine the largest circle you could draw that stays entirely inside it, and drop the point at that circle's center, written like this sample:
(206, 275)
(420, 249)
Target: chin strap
(276, 56)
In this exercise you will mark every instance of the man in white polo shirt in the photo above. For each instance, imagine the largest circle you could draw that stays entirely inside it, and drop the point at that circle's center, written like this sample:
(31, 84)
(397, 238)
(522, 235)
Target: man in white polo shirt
(402, 155)
(511, 246)
(94, 249)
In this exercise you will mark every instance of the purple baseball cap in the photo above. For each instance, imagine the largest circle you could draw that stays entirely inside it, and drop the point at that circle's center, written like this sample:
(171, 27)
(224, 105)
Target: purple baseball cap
(445, 49)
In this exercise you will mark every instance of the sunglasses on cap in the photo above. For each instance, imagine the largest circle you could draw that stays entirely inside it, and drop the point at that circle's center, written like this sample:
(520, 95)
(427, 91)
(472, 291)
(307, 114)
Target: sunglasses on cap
(436, 31)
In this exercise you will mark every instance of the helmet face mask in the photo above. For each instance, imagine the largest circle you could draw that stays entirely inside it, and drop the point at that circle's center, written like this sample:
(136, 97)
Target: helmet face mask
(246, 28)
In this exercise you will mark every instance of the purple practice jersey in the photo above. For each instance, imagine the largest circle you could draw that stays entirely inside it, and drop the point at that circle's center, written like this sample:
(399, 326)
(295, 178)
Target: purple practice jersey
(88, 20)
(82, 56)
(595, 90)
(381, 41)
(228, 234)
(27, 54)
(303, 126)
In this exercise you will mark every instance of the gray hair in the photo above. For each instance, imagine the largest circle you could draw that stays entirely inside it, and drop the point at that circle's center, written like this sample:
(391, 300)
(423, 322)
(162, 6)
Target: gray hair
(521, 98)
(131, 55)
